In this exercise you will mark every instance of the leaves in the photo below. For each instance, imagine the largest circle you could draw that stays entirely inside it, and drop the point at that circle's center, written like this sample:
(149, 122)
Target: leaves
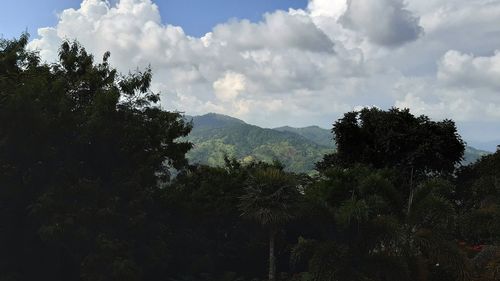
(396, 139)
(270, 197)
(82, 154)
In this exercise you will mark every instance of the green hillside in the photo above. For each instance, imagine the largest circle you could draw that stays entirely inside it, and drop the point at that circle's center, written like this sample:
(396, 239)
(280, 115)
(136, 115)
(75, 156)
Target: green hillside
(314, 133)
(215, 136)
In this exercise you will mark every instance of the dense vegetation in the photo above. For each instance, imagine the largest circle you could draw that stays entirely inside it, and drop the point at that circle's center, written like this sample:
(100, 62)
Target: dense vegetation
(87, 192)
(215, 136)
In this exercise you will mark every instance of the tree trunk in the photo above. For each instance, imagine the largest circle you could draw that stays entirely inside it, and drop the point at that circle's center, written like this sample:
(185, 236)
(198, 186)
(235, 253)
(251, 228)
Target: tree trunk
(272, 258)
(422, 270)
(410, 196)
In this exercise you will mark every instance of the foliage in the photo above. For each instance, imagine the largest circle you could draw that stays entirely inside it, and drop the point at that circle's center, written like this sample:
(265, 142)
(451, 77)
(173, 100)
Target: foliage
(396, 139)
(270, 197)
(477, 198)
(210, 236)
(215, 136)
(373, 226)
(82, 151)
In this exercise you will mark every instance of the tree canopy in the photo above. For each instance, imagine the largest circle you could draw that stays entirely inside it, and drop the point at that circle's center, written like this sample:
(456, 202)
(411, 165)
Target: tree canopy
(82, 152)
(396, 138)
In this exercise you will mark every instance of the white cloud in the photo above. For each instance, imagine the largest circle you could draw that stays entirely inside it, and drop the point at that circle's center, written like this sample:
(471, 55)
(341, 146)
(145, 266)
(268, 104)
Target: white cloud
(327, 8)
(440, 99)
(466, 70)
(465, 89)
(268, 60)
(50, 44)
(228, 88)
(305, 66)
(279, 30)
(384, 22)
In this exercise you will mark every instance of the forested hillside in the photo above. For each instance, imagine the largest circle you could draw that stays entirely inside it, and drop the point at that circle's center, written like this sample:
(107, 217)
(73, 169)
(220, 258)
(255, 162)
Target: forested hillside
(215, 136)
(314, 133)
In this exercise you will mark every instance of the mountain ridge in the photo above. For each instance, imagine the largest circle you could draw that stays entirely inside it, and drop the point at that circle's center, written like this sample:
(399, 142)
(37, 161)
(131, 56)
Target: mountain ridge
(315, 133)
(216, 136)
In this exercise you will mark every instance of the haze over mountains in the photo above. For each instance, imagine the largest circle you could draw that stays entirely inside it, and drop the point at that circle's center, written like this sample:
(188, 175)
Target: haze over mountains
(215, 136)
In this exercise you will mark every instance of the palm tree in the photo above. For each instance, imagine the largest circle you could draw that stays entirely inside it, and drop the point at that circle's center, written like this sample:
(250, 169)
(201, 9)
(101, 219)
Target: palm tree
(270, 198)
(384, 235)
(428, 231)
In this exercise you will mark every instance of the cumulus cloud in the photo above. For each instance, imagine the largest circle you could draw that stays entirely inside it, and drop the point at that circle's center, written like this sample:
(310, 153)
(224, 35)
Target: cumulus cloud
(284, 53)
(461, 106)
(466, 70)
(463, 102)
(384, 22)
(279, 30)
(230, 86)
(327, 8)
(305, 66)
(465, 88)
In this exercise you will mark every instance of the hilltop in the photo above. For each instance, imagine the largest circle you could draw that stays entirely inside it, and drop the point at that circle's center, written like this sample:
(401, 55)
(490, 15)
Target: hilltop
(216, 135)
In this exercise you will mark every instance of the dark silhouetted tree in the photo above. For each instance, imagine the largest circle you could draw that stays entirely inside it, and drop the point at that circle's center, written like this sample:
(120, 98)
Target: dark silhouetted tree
(395, 138)
(270, 198)
(82, 152)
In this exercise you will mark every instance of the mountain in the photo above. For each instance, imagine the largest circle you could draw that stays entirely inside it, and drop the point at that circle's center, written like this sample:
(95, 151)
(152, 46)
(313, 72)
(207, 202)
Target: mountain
(213, 121)
(314, 133)
(215, 136)
(472, 154)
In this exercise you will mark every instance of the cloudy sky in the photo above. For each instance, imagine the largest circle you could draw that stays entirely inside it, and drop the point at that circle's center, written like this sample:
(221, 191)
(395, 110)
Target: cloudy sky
(294, 62)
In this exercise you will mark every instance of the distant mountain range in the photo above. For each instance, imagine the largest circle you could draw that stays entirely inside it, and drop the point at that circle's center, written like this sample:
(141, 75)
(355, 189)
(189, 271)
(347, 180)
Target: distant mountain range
(215, 136)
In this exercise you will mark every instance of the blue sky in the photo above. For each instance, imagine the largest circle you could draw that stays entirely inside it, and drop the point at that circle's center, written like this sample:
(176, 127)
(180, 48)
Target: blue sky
(291, 62)
(16, 16)
(196, 17)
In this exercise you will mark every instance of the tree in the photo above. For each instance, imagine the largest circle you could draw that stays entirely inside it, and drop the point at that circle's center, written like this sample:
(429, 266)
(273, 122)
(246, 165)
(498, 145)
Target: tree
(373, 237)
(82, 152)
(418, 151)
(270, 198)
(396, 139)
(415, 146)
(210, 237)
(478, 200)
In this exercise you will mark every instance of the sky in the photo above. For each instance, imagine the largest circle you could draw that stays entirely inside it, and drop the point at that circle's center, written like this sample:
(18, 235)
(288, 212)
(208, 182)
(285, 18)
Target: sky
(292, 62)
(196, 17)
